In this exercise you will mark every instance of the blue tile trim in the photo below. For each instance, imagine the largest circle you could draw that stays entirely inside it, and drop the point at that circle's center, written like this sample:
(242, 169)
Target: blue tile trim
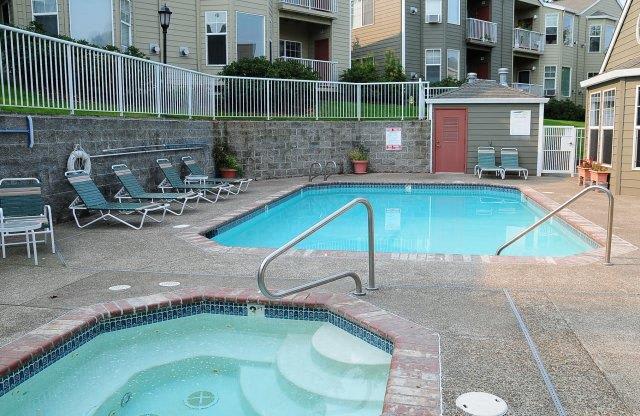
(12, 380)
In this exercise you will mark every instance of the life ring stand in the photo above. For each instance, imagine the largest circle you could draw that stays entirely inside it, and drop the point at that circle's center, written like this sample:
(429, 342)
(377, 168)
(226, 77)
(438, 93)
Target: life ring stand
(79, 160)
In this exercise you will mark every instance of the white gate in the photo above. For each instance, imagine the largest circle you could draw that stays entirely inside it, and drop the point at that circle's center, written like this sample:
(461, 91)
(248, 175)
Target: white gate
(559, 150)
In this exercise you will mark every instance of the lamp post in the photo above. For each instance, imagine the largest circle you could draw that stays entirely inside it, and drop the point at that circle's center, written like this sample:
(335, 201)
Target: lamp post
(165, 20)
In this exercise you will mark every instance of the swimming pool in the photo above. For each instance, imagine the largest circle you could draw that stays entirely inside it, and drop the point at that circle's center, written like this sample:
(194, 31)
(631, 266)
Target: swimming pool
(446, 219)
(223, 364)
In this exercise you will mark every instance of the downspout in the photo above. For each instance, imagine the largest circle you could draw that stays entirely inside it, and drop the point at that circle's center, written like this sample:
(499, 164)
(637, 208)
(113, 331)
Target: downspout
(403, 35)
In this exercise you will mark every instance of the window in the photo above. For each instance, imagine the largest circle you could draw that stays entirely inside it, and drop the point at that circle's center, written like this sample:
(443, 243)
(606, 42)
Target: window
(249, 35)
(594, 125)
(91, 20)
(608, 35)
(433, 61)
(453, 63)
(434, 11)
(5, 10)
(567, 29)
(125, 24)
(550, 81)
(216, 32)
(565, 82)
(362, 12)
(290, 49)
(551, 28)
(45, 12)
(453, 12)
(608, 117)
(594, 38)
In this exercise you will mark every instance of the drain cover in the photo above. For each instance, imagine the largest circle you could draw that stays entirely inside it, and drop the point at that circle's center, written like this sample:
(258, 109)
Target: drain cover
(119, 288)
(201, 400)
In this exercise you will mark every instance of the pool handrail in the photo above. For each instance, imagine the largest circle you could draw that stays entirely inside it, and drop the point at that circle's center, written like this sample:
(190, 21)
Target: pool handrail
(311, 174)
(607, 254)
(311, 230)
(327, 174)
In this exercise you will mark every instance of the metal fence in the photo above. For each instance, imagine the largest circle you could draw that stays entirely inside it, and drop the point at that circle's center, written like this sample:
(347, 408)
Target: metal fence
(559, 152)
(47, 73)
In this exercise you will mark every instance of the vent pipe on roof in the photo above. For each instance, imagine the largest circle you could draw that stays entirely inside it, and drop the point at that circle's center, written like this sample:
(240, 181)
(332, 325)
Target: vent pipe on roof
(472, 77)
(502, 73)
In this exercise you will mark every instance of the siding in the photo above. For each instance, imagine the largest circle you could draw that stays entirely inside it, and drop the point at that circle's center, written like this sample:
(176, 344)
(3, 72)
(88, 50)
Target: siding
(626, 46)
(385, 33)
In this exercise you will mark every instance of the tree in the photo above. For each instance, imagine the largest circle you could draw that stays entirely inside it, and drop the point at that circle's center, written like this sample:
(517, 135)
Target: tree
(393, 71)
(361, 71)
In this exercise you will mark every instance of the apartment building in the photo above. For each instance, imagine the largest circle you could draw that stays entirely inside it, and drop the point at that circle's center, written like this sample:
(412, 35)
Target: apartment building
(548, 47)
(204, 35)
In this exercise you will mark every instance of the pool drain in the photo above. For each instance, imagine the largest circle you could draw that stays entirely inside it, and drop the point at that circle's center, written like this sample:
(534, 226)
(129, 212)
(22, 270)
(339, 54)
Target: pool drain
(201, 400)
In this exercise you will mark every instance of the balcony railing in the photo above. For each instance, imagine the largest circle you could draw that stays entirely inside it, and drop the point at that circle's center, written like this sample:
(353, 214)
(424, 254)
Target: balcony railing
(530, 88)
(527, 40)
(330, 6)
(482, 31)
(327, 70)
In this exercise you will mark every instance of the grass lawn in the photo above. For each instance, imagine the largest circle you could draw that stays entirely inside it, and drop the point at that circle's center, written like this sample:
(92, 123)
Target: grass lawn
(550, 122)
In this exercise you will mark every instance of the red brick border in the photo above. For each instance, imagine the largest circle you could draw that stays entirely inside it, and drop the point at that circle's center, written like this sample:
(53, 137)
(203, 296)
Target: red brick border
(414, 385)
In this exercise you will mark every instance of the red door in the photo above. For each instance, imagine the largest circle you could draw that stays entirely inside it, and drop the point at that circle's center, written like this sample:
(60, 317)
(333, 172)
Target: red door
(450, 151)
(322, 50)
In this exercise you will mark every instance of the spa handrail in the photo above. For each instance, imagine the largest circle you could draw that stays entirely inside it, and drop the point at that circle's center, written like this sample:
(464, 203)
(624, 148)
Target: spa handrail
(607, 254)
(327, 174)
(271, 257)
(311, 175)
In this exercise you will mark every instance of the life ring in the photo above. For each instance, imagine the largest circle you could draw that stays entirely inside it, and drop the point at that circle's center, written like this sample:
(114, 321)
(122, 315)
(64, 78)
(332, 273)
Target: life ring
(79, 160)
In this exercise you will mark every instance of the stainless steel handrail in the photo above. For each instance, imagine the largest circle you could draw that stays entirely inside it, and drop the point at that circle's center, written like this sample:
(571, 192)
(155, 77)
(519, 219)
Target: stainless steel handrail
(271, 257)
(607, 254)
(326, 172)
(311, 175)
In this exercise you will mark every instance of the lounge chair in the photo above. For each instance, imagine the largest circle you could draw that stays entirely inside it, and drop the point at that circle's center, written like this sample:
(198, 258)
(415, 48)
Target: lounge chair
(487, 162)
(131, 189)
(91, 199)
(21, 200)
(509, 162)
(173, 181)
(198, 175)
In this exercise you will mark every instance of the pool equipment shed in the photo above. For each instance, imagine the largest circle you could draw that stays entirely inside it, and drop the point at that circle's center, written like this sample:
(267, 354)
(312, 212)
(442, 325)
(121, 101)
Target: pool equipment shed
(485, 113)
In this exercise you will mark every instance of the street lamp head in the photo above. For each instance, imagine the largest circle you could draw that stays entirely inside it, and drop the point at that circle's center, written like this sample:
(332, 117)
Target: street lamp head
(165, 17)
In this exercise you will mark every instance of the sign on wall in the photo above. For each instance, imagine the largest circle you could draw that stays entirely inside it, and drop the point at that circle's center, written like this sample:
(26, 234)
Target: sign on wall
(520, 124)
(394, 138)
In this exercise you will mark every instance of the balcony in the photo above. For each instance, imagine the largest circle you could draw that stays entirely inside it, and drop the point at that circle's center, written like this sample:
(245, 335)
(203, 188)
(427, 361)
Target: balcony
(327, 6)
(528, 41)
(327, 70)
(481, 31)
(529, 88)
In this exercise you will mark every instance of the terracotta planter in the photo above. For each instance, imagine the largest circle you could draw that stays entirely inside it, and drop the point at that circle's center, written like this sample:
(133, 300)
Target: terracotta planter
(228, 173)
(584, 174)
(599, 177)
(360, 166)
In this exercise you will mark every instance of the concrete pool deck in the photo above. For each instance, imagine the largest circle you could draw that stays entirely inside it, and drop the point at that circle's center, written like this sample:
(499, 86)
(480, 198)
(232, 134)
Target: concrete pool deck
(584, 319)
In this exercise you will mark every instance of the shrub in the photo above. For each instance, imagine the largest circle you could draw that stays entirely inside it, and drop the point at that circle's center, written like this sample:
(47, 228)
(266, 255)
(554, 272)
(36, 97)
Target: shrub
(358, 153)
(447, 82)
(225, 157)
(564, 110)
(393, 71)
(263, 68)
(364, 72)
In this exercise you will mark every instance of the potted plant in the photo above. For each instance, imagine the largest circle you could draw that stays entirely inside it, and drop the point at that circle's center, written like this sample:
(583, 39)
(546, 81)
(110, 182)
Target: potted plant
(584, 171)
(226, 160)
(360, 159)
(599, 174)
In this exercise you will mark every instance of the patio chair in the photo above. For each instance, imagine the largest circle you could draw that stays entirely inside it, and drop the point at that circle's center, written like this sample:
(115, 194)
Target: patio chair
(509, 162)
(91, 199)
(172, 180)
(21, 200)
(487, 162)
(131, 189)
(197, 174)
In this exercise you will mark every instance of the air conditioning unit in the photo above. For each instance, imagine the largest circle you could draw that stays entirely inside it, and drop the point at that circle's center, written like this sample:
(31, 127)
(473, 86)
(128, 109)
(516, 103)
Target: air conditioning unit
(433, 18)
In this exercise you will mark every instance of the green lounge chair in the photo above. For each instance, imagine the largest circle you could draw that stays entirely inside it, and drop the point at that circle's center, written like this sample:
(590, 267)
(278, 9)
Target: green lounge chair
(487, 162)
(173, 181)
(509, 162)
(198, 175)
(91, 199)
(131, 189)
(21, 200)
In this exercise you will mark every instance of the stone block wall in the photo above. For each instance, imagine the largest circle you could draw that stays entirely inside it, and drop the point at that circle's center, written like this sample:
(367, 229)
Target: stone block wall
(278, 149)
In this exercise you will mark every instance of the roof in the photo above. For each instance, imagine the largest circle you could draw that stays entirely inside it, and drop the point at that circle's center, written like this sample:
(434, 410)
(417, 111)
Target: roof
(612, 44)
(599, 14)
(576, 5)
(487, 91)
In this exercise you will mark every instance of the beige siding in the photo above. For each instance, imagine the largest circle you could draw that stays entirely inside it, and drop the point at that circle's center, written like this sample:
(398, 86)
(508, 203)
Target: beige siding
(626, 46)
(385, 34)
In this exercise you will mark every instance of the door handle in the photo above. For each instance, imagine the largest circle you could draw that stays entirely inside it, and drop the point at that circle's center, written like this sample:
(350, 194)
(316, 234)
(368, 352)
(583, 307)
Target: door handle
(437, 143)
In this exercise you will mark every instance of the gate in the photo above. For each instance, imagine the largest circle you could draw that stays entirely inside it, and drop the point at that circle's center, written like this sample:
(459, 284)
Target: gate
(559, 150)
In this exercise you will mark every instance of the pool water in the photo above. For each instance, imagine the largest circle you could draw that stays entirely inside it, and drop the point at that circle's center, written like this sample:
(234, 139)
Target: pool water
(431, 219)
(210, 365)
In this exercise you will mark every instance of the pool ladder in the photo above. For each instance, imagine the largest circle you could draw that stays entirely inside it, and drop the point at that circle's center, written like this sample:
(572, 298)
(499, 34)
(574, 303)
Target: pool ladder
(597, 188)
(311, 230)
(323, 170)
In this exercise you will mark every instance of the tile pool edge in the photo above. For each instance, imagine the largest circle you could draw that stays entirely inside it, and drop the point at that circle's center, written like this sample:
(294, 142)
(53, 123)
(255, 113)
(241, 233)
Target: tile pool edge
(199, 236)
(413, 386)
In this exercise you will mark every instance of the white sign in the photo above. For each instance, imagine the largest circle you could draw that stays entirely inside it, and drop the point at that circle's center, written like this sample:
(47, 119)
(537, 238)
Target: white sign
(394, 138)
(520, 123)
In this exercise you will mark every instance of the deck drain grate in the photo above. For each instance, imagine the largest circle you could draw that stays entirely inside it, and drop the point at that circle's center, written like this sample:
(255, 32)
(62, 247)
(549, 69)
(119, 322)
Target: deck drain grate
(201, 400)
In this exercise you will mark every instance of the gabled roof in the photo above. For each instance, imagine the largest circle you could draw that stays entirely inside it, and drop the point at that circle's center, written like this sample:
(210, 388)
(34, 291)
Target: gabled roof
(599, 14)
(488, 92)
(616, 34)
(579, 6)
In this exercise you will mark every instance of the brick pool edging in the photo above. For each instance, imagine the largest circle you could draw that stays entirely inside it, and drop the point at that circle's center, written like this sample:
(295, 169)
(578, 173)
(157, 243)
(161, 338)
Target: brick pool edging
(197, 236)
(413, 388)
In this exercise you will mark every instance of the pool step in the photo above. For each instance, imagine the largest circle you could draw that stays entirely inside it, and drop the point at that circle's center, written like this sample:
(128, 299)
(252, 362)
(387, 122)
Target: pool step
(337, 345)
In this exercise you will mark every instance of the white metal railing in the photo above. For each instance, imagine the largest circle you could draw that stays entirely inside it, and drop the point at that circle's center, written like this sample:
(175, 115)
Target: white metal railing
(482, 31)
(38, 71)
(327, 70)
(322, 5)
(433, 92)
(558, 154)
(528, 40)
(530, 88)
